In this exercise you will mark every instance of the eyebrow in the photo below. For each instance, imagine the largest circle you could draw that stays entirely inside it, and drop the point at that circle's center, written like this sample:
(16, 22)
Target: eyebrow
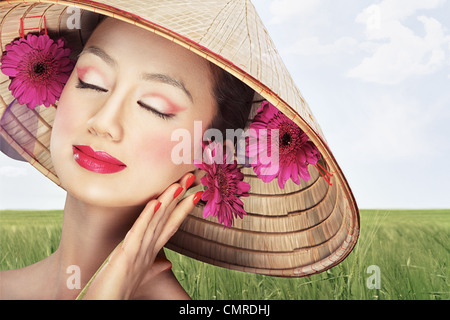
(158, 77)
(101, 54)
(163, 78)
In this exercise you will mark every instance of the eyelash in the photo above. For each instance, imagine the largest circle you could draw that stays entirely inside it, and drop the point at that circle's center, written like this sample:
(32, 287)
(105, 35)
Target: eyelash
(83, 85)
(163, 116)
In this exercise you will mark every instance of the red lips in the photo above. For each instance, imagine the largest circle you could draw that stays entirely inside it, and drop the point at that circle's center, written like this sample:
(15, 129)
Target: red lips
(96, 161)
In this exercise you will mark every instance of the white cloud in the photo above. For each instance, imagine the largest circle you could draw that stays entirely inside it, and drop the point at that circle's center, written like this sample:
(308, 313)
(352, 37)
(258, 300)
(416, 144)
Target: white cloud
(398, 52)
(395, 127)
(11, 172)
(312, 46)
(283, 10)
(389, 10)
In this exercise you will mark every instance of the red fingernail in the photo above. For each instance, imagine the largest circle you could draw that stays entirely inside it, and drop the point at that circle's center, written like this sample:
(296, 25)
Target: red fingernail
(177, 193)
(197, 197)
(157, 206)
(190, 181)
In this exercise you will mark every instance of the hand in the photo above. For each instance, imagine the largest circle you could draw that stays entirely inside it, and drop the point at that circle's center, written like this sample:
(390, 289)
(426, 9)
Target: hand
(131, 263)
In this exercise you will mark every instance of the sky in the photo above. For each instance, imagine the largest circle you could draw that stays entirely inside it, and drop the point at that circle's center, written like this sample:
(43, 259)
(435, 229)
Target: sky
(376, 75)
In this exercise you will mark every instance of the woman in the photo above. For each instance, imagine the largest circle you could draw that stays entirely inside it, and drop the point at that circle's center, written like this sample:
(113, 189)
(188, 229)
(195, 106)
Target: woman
(111, 149)
(121, 102)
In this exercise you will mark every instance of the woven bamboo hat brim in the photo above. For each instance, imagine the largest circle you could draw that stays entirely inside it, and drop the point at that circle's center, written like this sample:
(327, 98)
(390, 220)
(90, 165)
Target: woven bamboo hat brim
(296, 231)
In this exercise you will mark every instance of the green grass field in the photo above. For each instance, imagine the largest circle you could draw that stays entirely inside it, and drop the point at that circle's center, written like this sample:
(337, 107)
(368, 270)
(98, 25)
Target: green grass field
(411, 248)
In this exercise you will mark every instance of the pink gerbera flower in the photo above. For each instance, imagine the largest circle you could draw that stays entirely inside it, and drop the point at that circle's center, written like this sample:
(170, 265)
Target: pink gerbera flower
(224, 182)
(295, 151)
(38, 67)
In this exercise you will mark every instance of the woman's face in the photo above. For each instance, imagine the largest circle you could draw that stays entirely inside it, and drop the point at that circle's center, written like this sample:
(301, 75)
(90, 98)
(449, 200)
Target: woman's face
(111, 141)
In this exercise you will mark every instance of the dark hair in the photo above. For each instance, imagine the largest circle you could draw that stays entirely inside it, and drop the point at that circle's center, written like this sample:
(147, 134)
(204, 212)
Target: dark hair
(234, 101)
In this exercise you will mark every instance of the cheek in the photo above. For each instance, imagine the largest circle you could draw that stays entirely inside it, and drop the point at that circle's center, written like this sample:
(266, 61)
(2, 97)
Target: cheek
(155, 156)
(155, 150)
(69, 113)
(67, 121)
(61, 125)
(66, 127)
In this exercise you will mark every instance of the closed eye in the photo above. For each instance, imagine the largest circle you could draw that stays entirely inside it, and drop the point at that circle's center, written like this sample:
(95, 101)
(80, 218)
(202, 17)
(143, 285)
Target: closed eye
(84, 85)
(165, 116)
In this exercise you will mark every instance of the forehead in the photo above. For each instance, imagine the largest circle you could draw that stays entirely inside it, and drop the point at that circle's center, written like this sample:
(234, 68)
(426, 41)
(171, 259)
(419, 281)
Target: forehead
(137, 51)
(122, 39)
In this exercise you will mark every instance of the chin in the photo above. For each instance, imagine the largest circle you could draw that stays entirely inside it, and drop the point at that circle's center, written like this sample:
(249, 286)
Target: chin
(107, 200)
(100, 193)
(104, 190)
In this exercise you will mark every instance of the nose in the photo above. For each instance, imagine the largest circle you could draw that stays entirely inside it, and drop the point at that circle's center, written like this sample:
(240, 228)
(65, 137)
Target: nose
(106, 122)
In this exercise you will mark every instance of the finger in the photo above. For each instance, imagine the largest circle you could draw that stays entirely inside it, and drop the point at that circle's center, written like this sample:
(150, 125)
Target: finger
(177, 189)
(178, 215)
(161, 215)
(186, 182)
(133, 239)
(169, 200)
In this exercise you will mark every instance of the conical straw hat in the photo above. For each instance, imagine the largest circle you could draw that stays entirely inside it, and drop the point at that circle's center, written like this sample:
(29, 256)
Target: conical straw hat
(296, 231)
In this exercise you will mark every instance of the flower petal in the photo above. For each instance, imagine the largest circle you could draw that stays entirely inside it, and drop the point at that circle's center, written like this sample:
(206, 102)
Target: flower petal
(36, 88)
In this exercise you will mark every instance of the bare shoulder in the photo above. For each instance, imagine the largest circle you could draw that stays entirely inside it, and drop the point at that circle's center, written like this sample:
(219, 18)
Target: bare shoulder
(164, 286)
(5, 277)
(13, 284)
(30, 282)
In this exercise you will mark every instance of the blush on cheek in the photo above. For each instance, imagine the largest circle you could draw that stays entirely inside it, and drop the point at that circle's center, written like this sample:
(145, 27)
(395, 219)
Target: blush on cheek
(68, 107)
(158, 150)
(156, 168)
(66, 122)
(63, 120)
(168, 157)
